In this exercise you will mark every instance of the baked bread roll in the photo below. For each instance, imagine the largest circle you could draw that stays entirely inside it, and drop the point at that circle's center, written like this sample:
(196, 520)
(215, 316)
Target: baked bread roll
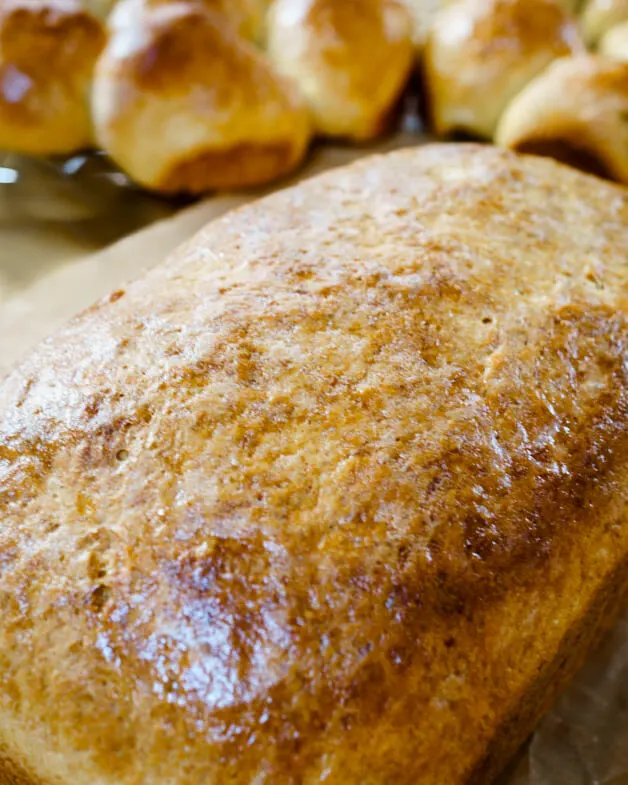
(576, 112)
(614, 43)
(481, 53)
(337, 495)
(599, 16)
(48, 49)
(184, 104)
(351, 60)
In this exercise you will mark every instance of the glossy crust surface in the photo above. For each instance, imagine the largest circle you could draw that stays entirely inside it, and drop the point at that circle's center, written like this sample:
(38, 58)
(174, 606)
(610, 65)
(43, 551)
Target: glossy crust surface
(481, 53)
(336, 495)
(351, 60)
(183, 103)
(48, 49)
(575, 111)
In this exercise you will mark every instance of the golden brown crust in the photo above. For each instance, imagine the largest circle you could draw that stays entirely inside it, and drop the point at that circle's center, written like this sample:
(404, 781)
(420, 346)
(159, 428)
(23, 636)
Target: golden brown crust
(247, 16)
(178, 87)
(575, 111)
(12, 773)
(350, 60)
(331, 495)
(48, 49)
(609, 601)
(481, 53)
(424, 12)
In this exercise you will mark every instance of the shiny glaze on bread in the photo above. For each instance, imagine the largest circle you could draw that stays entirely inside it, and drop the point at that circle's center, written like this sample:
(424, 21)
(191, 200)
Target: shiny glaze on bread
(335, 495)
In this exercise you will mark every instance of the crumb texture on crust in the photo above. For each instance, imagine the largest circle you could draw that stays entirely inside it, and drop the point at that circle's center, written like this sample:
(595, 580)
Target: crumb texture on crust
(332, 494)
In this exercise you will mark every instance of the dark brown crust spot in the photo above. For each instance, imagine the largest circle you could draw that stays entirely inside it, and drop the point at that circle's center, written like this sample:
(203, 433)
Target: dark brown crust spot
(12, 773)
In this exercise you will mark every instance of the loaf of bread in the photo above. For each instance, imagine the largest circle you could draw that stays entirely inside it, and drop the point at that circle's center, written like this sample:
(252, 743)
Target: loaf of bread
(48, 49)
(481, 53)
(336, 495)
(576, 112)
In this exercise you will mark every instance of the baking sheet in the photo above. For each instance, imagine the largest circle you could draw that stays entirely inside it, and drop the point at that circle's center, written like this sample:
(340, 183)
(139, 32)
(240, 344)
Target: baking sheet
(47, 275)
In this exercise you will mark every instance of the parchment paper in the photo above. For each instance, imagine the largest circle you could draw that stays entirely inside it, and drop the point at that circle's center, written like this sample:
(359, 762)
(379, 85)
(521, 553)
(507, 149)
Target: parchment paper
(46, 276)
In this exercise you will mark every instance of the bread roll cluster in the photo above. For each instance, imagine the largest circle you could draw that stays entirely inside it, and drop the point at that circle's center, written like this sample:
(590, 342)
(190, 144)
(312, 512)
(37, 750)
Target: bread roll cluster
(533, 76)
(188, 96)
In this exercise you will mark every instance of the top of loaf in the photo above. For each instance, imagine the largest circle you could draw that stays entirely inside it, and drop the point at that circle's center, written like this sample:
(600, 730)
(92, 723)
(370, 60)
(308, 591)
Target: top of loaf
(277, 512)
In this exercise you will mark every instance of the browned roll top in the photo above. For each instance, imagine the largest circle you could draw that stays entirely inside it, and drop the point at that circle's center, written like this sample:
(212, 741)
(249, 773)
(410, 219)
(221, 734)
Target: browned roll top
(47, 56)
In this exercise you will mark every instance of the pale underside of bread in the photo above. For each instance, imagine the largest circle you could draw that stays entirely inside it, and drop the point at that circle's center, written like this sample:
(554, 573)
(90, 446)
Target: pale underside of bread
(337, 494)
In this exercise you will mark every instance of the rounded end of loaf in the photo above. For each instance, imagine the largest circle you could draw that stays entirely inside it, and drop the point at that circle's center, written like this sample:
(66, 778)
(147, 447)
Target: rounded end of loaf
(614, 44)
(576, 112)
(48, 50)
(184, 105)
(598, 16)
(481, 53)
(351, 61)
